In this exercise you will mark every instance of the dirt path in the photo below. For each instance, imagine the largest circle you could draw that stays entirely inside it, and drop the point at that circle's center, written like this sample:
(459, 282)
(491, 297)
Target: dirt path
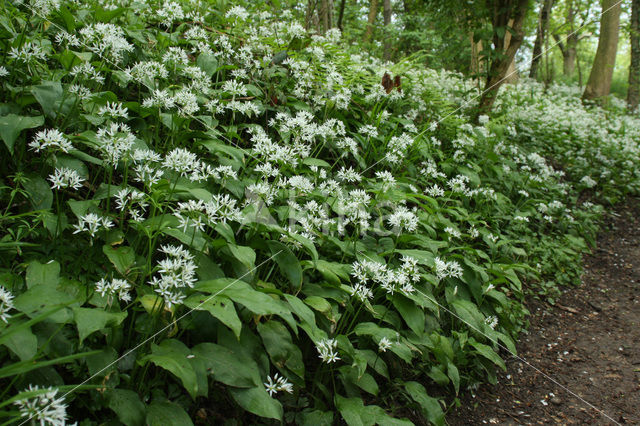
(589, 342)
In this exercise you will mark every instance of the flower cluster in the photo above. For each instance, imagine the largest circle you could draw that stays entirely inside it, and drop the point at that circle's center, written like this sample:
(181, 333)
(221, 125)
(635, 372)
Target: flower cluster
(116, 288)
(6, 304)
(278, 384)
(176, 272)
(44, 408)
(327, 350)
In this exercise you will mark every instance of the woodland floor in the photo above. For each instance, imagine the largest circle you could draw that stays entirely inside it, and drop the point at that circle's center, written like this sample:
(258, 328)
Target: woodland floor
(589, 342)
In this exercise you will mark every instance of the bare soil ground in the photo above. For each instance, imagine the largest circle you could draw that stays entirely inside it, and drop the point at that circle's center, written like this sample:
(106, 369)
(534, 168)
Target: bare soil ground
(589, 342)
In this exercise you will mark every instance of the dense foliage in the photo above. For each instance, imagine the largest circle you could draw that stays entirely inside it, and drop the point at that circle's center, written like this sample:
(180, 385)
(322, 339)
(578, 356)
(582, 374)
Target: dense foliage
(212, 215)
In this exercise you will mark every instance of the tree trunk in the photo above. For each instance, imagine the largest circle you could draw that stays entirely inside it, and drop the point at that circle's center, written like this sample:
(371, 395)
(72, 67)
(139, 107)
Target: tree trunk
(543, 22)
(633, 94)
(476, 67)
(504, 11)
(599, 83)
(386, 14)
(310, 15)
(512, 75)
(324, 15)
(373, 11)
(341, 14)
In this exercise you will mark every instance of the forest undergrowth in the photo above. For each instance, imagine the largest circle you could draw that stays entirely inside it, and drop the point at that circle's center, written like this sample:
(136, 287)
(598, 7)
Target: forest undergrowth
(217, 217)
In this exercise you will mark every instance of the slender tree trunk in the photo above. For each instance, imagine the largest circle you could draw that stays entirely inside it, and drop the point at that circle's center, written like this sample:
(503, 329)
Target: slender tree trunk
(633, 93)
(310, 15)
(512, 75)
(476, 67)
(599, 83)
(341, 14)
(386, 14)
(504, 11)
(543, 22)
(373, 12)
(324, 18)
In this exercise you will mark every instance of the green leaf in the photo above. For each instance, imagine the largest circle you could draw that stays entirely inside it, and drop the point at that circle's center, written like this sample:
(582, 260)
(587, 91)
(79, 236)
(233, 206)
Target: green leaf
(489, 353)
(241, 292)
(315, 418)
(454, 375)
(47, 295)
(167, 414)
(30, 364)
(354, 412)
(377, 333)
(282, 351)
(89, 320)
(220, 307)
(245, 255)
(172, 355)
(287, 262)
(127, 406)
(207, 63)
(469, 314)
(43, 274)
(23, 343)
(11, 125)
(122, 258)
(40, 194)
(430, 406)
(51, 98)
(366, 382)
(231, 367)
(257, 401)
(410, 312)
(318, 303)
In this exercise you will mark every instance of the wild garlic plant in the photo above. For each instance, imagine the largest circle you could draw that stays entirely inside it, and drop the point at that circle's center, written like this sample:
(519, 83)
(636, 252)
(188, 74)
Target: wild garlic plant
(197, 197)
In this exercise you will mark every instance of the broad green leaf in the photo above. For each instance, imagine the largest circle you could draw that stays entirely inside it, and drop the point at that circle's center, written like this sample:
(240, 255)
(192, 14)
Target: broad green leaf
(366, 382)
(287, 262)
(377, 333)
(315, 418)
(241, 292)
(102, 363)
(245, 255)
(220, 307)
(352, 411)
(167, 414)
(122, 258)
(51, 98)
(469, 314)
(89, 320)
(283, 352)
(39, 191)
(43, 274)
(489, 353)
(207, 63)
(231, 367)
(430, 406)
(11, 125)
(410, 312)
(319, 304)
(127, 406)
(43, 297)
(454, 375)
(173, 356)
(257, 401)
(23, 343)
(307, 318)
